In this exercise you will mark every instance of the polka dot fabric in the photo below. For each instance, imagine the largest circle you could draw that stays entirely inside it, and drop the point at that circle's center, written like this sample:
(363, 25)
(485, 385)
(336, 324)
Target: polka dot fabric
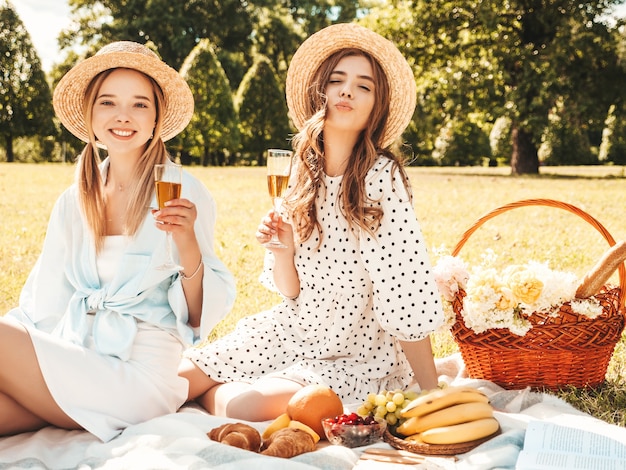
(359, 295)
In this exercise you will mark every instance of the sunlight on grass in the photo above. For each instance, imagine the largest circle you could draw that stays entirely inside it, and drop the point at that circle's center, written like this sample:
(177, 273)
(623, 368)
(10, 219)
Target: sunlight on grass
(448, 201)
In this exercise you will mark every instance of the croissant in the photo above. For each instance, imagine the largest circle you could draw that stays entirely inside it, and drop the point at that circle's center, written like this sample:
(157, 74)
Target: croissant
(289, 442)
(237, 435)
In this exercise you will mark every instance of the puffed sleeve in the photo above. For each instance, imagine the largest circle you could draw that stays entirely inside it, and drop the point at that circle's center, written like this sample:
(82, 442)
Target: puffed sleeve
(218, 283)
(407, 303)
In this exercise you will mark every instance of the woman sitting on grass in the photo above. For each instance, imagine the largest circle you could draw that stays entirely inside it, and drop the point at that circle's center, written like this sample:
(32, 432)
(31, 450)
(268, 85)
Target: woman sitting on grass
(359, 296)
(97, 338)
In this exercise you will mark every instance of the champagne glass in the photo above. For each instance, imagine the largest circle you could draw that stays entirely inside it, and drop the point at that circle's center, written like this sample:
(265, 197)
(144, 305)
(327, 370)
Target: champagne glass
(168, 186)
(278, 171)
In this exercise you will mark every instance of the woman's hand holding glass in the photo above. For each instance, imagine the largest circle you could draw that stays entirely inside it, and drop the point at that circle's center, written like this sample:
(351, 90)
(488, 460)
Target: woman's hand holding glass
(274, 226)
(176, 216)
(278, 171)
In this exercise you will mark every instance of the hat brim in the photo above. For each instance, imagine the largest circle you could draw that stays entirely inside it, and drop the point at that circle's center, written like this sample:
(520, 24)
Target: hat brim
(69, 94)
(321, 45)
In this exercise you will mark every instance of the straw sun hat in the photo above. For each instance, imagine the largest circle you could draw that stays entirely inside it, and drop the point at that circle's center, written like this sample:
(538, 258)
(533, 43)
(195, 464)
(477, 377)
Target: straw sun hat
(321, 45)
(69, 94)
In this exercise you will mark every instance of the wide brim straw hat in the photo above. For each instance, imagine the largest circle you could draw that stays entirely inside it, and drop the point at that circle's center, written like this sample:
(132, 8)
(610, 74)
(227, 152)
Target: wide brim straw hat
(69, 94)
(324, 43)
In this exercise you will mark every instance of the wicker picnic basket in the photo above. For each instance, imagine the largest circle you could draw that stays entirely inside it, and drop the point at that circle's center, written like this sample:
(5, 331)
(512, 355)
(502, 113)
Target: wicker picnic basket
(566, 350)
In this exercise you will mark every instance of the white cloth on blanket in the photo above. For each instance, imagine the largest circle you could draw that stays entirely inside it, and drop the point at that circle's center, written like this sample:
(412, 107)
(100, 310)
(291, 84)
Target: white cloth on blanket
(179, 440)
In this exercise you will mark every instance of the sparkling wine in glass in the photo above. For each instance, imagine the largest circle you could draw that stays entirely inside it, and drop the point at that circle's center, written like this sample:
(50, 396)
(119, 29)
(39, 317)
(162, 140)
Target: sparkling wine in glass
(278, 171)
(168, 186)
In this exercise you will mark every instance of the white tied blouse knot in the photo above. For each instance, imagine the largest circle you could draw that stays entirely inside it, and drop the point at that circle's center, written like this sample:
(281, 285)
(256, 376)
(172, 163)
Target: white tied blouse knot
(64, 290)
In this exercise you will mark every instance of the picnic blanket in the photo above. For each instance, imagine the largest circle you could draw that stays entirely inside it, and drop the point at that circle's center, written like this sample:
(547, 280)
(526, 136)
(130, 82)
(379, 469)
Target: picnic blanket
(179, 440)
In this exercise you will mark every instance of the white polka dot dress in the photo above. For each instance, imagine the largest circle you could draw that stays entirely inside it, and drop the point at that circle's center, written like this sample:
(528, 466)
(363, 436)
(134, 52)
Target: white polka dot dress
(359, 295)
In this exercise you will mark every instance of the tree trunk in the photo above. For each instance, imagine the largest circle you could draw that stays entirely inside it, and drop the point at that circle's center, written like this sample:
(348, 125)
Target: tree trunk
(524, 160)
(9, 148)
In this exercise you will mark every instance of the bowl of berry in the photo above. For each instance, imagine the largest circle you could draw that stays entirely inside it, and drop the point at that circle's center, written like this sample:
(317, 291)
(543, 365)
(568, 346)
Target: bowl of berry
(352, 430)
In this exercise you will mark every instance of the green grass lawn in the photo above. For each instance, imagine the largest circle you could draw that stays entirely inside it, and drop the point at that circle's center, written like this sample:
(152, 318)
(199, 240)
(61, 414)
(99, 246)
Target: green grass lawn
(448, 201)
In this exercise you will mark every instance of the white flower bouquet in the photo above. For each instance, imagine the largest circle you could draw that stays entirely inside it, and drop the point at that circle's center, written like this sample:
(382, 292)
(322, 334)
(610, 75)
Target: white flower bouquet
(507, 298)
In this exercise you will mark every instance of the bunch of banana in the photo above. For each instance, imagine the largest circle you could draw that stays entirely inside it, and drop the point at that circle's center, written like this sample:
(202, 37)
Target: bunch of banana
(449, 416)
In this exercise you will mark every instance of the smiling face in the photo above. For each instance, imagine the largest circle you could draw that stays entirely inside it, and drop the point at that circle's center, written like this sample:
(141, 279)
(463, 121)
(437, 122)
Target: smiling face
(124, 112)
(351, 94)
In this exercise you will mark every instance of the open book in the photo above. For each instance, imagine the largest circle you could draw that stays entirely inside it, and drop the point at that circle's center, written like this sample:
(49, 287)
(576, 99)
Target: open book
(549, 446)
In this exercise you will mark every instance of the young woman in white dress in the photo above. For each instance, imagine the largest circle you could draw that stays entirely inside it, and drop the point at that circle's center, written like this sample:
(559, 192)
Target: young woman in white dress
(359, 296)
(98, 335)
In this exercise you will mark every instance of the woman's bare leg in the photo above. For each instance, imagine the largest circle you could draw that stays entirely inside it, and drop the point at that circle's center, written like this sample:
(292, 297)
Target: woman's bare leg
(23, 392)
(262, 401)
(266, 399)
(16, 418)
(199, 382)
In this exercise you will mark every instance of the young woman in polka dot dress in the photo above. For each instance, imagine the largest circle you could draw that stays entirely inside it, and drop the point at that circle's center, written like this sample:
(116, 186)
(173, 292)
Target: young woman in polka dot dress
(360, 299)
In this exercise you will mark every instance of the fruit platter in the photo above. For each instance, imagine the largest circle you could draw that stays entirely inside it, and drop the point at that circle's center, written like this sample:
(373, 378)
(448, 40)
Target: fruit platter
(447, 421)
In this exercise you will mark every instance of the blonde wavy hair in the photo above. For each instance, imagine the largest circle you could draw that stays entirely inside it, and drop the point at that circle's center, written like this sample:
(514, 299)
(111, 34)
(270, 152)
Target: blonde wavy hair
(89, 179)
(308, 144)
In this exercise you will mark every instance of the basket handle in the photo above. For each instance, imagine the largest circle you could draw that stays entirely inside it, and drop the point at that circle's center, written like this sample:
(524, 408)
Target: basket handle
(551, 203)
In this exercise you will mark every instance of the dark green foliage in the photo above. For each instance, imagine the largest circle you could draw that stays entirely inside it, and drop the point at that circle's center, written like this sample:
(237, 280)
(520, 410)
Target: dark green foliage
(260, 102)
(213, 131)
(613, 147)
(461, 143)
(174, 27)
(565, 140)
(500, 140)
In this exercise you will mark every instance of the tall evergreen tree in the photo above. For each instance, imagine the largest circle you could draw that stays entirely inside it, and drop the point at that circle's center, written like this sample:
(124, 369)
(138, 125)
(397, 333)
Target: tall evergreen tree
(25, 98)
(213, 130)
(260, 102)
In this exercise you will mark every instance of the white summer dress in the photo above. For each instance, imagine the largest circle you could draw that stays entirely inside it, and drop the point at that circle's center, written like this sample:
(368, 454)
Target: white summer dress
(112, 394)
(109, 328)
(358, 297)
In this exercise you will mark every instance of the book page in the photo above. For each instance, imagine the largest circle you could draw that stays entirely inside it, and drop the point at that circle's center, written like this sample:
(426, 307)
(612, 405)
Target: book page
(551, 446)
(546, 460)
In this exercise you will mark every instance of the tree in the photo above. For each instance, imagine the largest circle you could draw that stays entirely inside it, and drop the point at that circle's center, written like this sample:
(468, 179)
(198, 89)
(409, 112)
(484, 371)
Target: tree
(175, 28)
(564, 139)
(260, 103)
(462, 143)
(213, 129)
(25, 98)
(513, 59)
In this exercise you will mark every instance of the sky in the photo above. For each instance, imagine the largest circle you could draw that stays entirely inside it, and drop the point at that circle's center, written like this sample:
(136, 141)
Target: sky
(44, 19)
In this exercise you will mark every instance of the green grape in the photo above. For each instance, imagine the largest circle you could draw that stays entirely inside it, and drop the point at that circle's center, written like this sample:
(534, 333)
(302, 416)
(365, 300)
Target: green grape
(387, 405)
(397, 398)
(391, 419)
(381, 400)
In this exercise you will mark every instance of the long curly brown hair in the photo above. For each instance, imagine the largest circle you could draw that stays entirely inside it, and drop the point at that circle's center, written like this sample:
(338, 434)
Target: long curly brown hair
(308, 144)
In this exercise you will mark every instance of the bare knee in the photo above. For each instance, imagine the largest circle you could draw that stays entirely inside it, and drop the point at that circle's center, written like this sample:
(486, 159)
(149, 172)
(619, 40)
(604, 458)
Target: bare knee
(199, 382)
(254, 406)
(262, 401)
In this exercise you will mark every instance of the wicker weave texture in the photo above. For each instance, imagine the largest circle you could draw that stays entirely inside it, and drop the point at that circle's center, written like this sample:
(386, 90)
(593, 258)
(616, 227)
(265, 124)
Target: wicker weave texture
(567, 350)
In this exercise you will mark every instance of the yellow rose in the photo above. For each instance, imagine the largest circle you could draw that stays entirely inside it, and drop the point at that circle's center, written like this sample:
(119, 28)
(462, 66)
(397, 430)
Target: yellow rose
(525, 286)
